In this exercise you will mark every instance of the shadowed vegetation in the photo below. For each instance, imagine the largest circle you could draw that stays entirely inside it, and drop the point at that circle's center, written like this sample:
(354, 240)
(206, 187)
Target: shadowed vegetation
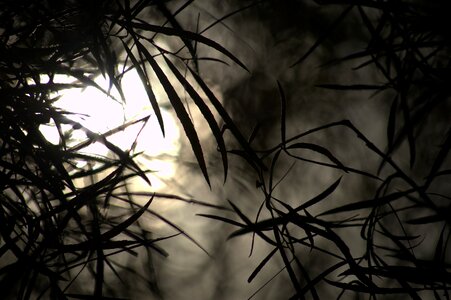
(376, 223)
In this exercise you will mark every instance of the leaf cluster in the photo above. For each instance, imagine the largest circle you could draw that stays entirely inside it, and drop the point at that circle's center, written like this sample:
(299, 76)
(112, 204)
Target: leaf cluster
(407, 45)
(66, 214)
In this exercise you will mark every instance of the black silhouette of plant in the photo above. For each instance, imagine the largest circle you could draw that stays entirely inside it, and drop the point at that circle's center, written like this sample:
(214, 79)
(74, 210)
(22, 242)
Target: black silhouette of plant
(66, 216)
(408, 47)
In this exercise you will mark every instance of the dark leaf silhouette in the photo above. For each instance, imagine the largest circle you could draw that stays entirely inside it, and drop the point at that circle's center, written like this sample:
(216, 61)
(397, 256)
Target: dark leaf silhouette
(354, 204)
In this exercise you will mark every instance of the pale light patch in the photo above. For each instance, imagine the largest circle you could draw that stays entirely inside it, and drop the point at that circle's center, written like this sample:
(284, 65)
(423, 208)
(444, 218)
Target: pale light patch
(100, 113)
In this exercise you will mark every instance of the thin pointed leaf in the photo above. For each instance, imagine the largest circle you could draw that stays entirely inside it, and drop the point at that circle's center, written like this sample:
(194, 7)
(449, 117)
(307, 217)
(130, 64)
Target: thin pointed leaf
(408, 127)
(145, 81)
(254, 133)
(116, 230)
(254, 159)
(391, 127)
(125, 157)
(319, 149)
(251, 227)
(111, 63)
(175, 24)
(261, 265)
(223, 219)
(369, 203)
(352, 87)
(186, 35)
(180, 111)
(320, 197)
(428, 219)
(182, 232)
(283, 113)
(205, 112)
(439, 253)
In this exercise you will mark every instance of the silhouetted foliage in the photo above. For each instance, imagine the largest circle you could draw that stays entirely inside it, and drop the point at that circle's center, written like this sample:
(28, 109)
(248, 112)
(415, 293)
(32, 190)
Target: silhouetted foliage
(67, 217)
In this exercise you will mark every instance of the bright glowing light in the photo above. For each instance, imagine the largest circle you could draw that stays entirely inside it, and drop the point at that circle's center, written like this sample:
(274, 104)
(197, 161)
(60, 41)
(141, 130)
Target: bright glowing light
(100, 113)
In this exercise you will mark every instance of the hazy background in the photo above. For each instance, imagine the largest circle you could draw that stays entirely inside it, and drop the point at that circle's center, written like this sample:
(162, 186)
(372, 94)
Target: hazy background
(269, 37)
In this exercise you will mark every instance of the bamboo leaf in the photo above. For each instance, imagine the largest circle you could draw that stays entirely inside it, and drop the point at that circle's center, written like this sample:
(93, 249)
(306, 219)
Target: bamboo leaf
(319, 197)
(175, 24)
(254, 133)
(116, 230)
(180, 111)
(262, 264)
(439, 248)
(180, 230)
(253, 158)
(257, 228)
(188, 35)
(318, 149)
(205, 112)
(223, 219)
(391, 127)
(283, 113)
(352, 87)
(145, 81)
(428, 219)
(369, 203)
(125, 157)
